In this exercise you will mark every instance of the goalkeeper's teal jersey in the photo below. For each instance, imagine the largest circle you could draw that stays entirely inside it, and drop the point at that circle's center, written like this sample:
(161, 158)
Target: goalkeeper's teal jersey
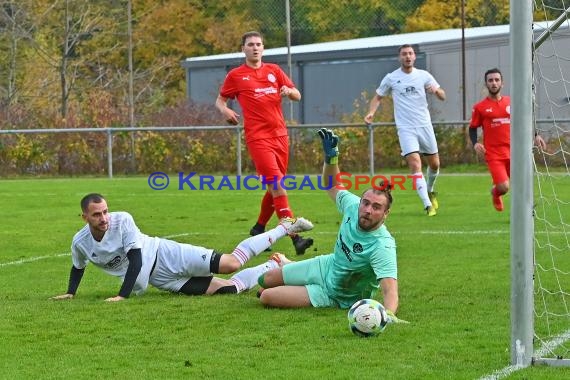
(360, 258)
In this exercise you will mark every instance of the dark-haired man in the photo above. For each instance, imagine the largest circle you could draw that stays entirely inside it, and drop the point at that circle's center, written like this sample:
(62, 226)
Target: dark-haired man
(408, 86)
(493, 114)
(259, 88)
(113, 242)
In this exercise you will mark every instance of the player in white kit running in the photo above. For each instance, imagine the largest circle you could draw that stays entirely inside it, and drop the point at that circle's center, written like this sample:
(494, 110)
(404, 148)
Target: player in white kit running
(408, 87)
(113, 242)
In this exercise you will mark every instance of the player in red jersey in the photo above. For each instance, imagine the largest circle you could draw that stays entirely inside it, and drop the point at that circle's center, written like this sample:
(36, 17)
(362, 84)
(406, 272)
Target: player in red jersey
(259, 88)
(494, 114)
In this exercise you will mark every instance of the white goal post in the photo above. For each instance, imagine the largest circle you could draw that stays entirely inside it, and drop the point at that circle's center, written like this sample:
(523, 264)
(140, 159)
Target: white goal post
(540, 185)
(521, 183)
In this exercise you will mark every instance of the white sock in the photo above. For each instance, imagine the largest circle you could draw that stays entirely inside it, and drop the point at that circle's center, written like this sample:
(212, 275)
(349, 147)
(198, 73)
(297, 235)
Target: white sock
(421, 188)
(247, 278)
(254, 245)
(431, 177)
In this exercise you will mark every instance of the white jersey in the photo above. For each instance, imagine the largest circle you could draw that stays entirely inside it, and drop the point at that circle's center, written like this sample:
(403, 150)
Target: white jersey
(409, 95)
(110, 254)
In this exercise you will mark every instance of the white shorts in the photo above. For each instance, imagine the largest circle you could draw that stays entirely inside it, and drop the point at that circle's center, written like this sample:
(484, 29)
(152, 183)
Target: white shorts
(176, 263)
(417, 140)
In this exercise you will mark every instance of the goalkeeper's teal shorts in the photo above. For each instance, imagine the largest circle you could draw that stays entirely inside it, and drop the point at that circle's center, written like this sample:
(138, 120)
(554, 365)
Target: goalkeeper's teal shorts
(310, 274)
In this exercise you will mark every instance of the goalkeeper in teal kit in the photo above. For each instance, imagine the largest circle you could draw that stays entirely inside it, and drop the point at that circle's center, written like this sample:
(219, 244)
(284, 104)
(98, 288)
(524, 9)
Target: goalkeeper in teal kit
(364, 257)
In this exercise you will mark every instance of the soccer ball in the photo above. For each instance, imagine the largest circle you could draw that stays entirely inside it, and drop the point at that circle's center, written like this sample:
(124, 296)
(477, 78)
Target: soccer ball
(367, 317)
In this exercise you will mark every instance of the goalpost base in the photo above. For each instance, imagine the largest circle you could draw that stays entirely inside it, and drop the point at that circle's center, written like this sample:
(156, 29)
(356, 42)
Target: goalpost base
(558, 362)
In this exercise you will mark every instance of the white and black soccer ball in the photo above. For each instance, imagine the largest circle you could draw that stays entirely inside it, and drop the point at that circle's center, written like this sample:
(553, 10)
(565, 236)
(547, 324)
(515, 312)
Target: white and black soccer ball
(367, 317)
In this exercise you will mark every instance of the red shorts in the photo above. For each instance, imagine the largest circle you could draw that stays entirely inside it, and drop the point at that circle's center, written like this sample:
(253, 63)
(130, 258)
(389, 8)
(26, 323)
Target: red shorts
(270, 156)
(500, 170)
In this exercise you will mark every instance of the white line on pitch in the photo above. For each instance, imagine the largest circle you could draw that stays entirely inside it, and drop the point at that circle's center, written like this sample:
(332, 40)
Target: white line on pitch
(502, 373)
(479, 232)
(474, 232)
(396, 233)
(177, 235)
(549, 346)
(31, 259)
(37, 258)
(543, 350)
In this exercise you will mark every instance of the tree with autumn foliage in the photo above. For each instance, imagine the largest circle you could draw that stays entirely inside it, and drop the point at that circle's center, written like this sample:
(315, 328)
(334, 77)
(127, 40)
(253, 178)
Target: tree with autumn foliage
(441, 14)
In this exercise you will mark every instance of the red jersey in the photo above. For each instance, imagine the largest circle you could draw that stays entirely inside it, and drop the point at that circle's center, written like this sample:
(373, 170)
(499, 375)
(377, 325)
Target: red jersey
(257, 91)
(495, 117)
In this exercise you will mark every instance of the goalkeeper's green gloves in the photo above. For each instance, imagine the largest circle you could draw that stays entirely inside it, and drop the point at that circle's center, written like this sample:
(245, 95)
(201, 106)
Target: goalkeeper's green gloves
(393, 319)
(330, 145)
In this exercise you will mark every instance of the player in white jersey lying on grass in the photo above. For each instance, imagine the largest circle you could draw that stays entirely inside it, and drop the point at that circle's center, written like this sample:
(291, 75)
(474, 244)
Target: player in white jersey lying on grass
(363, 260)
(113, 242)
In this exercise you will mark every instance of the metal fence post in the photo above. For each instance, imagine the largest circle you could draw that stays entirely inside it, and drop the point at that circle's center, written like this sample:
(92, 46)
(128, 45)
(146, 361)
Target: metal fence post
(371, 148)
(110, 152)
(238, 148)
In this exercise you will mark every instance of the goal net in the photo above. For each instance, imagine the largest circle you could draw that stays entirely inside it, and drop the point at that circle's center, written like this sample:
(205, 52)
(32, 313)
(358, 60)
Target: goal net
(551, 117)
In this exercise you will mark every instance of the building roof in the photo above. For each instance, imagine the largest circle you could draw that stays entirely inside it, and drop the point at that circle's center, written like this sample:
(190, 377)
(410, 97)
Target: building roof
(417, 38)
(372, 42)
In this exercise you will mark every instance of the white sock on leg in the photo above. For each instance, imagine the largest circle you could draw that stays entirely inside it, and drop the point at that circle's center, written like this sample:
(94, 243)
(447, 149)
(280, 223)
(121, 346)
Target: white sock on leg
(247, 278)
(254, 245)
(431, 177)
(421, 188)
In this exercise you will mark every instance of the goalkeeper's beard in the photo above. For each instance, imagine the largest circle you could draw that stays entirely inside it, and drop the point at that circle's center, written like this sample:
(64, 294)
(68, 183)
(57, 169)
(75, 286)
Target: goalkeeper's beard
(366, 224)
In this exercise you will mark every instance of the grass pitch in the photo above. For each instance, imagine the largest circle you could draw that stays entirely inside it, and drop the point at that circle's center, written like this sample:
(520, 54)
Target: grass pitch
(454, 285)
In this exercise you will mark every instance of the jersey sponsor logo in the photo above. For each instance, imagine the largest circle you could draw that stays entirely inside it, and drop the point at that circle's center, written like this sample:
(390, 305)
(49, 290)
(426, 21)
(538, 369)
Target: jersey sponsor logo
(345, 248)
(261, 92)
(271, 78)
(357, 248)
(499, 121)
(114, 263)
(409, 91)
(265, 91)
(245, 78)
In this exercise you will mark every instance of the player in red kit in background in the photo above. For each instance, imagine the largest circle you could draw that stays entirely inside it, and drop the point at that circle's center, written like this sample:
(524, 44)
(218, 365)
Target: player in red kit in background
(494, 114)
(259, 88)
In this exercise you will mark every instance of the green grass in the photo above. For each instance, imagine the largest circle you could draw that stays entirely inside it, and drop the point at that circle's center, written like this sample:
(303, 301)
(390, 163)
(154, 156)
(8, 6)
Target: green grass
(454, 272)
